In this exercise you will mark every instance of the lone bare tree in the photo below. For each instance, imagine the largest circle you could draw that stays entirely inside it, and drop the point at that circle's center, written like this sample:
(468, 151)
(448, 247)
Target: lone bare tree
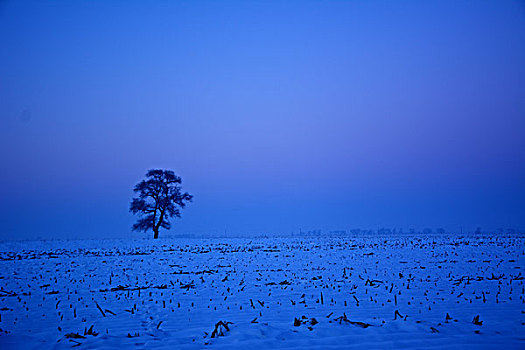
(160, 197)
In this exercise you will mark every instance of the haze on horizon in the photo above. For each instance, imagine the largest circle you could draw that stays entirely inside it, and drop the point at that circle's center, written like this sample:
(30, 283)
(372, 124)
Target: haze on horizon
(278, 116)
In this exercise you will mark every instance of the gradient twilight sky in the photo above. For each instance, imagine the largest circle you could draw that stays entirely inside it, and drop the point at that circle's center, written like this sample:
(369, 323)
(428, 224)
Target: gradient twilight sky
(279, 116)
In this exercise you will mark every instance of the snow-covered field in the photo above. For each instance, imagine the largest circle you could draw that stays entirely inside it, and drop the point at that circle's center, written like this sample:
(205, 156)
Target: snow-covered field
(324, 293)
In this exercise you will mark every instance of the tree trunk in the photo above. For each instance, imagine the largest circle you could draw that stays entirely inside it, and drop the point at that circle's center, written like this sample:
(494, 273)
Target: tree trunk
(156, 228)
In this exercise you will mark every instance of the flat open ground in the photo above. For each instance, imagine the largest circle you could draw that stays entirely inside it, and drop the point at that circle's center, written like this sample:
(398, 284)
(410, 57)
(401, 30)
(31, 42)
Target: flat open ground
(361, 292)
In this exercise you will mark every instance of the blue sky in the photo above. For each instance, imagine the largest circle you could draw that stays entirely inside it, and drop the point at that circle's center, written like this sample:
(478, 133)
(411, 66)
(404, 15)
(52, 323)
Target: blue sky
(279, 116)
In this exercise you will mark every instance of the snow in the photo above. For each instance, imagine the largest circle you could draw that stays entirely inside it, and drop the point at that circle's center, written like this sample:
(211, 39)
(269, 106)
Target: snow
(315, 293)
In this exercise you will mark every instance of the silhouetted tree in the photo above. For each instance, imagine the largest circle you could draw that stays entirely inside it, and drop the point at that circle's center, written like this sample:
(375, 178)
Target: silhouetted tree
(160, 197)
